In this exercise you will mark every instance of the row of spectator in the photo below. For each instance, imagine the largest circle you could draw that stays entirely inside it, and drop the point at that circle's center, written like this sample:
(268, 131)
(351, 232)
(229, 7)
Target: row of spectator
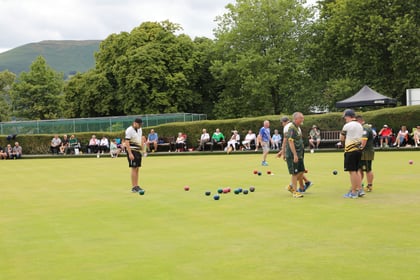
(10, 152)
(234, 142)
(386, 137)
(95, 146)
(217, 139)
(66, 145)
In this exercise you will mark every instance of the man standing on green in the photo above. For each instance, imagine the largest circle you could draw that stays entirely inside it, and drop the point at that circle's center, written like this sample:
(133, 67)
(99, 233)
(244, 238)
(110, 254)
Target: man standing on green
(134, 145)
(351, 135)
(264, 138)
(294, 153)
(368, 154)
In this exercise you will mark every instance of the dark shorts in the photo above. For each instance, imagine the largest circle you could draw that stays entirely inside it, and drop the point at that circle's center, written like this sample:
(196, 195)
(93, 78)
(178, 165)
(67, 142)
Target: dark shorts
(352, 160)
(365, 165)
(295, 168)
(137, 159)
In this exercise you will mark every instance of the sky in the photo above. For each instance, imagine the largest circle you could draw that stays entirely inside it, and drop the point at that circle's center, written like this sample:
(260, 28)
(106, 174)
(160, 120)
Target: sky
(29, 21)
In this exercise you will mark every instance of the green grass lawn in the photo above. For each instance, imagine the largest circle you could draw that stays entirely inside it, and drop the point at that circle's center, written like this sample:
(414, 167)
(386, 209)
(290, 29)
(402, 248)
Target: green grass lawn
(77, 219)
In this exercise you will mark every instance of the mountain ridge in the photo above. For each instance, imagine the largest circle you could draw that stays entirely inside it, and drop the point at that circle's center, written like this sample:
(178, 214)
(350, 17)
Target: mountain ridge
(66, 56)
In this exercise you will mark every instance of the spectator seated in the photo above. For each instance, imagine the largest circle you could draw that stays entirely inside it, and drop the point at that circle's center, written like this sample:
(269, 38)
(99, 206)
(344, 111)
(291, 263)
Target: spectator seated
(402, 137)
(120, 145)
(416, 136)
(64, 147)
(152, 141)
(74, 145)
(3, 154)
(385, 136)
(276, 140)
(218, 140)
(233, 143)
(16, 151)
(181, 142)
(103, 145)
(55, 145)
(9, 152)
(249, 142)
(93, 146)
(114, 151)
(204, 139)
(314, 137)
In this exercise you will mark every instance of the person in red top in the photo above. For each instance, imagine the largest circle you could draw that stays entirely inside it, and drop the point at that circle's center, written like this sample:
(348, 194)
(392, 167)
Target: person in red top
(385, 134)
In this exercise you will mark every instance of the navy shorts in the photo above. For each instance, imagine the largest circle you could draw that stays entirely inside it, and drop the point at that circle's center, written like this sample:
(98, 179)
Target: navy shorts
(137, 159)
(352, 160)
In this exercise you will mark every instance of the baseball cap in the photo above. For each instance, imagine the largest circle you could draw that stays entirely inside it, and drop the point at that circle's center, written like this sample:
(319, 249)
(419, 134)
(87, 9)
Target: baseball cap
(284, 119)
(385, 125)
(314, 126)
(138, 120)
(349, 113)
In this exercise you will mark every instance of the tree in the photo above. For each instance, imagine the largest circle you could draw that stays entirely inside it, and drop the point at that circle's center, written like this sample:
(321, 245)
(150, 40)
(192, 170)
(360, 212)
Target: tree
(201, 79)
(6, 81)
(373, 42)
(37, 94)
(147, 71)
(150, 69)
(260, 62)
(90, 95)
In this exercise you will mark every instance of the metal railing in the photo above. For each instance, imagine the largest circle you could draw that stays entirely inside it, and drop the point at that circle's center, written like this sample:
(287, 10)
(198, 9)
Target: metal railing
(106, 124)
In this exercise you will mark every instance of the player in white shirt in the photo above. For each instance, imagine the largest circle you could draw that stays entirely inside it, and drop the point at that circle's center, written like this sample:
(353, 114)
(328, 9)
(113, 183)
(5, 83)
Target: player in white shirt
(134, 145)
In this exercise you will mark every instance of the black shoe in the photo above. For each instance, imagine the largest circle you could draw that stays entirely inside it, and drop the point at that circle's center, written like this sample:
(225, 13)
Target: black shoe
(308, 185)
(136, 189)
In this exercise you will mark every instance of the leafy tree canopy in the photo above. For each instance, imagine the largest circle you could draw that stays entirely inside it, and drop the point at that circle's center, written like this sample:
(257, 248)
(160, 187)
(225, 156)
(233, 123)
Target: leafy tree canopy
(147, 71)
(37, 94)
(6, 81)
(260, 61)
(373, 42)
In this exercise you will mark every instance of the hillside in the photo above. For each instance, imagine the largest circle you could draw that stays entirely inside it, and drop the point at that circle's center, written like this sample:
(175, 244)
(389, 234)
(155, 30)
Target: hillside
(67, 57)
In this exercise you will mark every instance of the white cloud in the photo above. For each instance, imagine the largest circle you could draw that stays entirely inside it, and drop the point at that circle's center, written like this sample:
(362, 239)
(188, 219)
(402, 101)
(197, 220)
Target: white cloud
(27, 21)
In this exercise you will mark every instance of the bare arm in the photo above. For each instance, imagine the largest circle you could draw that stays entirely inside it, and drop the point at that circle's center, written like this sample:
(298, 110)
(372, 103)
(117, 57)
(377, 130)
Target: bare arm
(143, 145)
(293, 149)
(128, 149)
(364, 141)
(283, 148)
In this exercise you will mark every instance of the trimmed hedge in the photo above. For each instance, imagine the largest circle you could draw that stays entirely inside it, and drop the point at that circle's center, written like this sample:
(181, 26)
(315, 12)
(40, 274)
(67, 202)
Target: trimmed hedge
(393, 117)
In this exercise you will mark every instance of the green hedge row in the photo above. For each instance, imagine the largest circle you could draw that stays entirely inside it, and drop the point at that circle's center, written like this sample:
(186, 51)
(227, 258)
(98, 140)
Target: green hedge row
(393, 117)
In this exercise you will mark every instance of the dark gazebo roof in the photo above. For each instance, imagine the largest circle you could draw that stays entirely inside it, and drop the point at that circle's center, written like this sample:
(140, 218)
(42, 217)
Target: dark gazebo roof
(366, 97)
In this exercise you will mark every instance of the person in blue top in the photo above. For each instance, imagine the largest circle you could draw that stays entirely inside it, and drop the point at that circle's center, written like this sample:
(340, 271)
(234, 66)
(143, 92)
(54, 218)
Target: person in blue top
(152, 138)
(276, 140)
(264, 138)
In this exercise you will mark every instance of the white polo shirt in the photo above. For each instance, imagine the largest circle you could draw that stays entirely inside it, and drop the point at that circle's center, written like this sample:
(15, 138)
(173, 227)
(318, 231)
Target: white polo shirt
(134, 136)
